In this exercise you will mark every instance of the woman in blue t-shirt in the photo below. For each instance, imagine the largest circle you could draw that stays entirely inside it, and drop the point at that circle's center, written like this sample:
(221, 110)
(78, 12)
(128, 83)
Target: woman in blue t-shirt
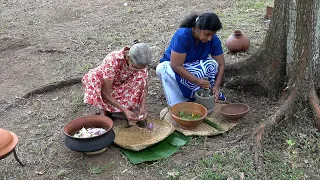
(194, 53)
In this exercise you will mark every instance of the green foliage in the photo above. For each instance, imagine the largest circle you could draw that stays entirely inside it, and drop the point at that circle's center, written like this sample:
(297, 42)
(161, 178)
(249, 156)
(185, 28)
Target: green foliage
(99, 169)
(209, 175)
(86, 67)
(290, 142)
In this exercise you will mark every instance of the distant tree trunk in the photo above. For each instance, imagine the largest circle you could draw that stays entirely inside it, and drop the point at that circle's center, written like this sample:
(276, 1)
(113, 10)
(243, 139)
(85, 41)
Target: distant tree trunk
(288, 62)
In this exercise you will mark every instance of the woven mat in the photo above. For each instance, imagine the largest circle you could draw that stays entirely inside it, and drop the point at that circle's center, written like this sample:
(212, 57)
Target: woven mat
(203, 129)
(136, 138)
(163, 149)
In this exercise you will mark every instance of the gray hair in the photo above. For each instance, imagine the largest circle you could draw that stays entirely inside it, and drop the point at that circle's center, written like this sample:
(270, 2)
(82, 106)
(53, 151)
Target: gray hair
(140, 53)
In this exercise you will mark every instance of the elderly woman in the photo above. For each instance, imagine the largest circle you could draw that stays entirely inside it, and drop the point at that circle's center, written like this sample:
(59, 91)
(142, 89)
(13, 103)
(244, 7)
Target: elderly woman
(119, 84)
(194, 53)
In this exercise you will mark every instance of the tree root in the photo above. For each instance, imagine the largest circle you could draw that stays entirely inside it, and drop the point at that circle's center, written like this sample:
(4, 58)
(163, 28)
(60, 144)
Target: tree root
(315, 105)
(240, 81)
(51, 51)
(53, 86)
(283, 112)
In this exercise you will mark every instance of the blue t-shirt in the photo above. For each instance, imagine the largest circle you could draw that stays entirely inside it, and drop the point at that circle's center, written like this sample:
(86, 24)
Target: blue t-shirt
(183, 42)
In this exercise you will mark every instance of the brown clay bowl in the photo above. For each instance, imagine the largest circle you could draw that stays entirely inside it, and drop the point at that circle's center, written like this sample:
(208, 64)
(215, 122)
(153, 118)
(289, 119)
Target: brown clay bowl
(190, 107)
(8, 141)
(233, 112)
(5, 137)
(90, 144)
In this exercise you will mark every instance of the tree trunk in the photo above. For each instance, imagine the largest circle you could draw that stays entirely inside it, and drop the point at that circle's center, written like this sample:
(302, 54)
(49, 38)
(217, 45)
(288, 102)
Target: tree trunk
(286, 64)
(270, 69)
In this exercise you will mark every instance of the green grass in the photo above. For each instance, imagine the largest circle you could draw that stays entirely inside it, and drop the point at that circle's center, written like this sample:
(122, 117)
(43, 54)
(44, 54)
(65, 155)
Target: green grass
(280, 167)
(99, 169)
(86, 67)
(293, 157)
(253, 4)
(246, 16)
(228, 164)
(291, 151)
(77, 102)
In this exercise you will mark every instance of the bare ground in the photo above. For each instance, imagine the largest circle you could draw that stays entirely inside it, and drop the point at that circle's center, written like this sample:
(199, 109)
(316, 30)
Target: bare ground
(44, 42)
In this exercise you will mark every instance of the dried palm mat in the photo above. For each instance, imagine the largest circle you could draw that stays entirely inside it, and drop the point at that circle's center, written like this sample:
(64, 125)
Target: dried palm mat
(203, 129)
(136, 138)
(162, 149)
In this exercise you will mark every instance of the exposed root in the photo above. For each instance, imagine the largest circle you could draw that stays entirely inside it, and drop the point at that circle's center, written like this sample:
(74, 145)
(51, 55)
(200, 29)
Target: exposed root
(53, 86)
(52, 51)
(13, 43)
(46, 88)
(240, 81)
(315, 105)
(283, 112)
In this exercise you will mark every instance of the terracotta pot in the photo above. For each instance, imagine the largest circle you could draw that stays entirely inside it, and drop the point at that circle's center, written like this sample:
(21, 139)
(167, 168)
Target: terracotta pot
(269, 11)
(90, 144)
(189, 107)
(8, 141)
(233, 112)
(238, 41)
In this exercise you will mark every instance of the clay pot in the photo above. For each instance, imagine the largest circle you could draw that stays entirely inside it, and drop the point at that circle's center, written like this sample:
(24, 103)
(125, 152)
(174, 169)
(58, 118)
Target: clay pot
(268, 14)
(8, 141)
(90, 144)
(207, 102)
(233, 112)
(237, 41)
(190, 107)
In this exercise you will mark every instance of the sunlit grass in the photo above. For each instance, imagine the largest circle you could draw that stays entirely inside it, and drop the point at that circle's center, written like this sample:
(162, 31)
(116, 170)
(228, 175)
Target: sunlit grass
(227, 164)
(247, 16)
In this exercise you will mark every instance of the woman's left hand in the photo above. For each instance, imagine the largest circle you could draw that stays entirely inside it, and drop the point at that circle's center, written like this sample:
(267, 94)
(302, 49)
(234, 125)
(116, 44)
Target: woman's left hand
(215, 92)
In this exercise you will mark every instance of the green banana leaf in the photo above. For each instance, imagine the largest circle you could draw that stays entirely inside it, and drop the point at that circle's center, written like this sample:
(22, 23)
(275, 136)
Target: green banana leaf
(158, 151)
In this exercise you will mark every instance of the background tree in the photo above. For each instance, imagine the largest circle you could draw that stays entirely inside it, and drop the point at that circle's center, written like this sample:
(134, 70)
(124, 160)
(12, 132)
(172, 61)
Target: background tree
(287, 64)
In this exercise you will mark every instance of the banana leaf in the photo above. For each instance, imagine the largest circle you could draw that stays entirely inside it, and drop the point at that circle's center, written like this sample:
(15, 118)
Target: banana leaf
(158, 151)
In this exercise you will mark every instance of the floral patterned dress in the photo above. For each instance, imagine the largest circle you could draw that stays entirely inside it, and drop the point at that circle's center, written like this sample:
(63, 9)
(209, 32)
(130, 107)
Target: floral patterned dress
(128, 84)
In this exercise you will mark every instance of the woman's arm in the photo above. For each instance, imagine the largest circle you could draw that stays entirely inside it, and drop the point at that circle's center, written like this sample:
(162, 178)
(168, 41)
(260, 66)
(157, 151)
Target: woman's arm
(144, 97)
(142, 109)
(220, 60)
(219, 76)
(106, 95)
(176, 61)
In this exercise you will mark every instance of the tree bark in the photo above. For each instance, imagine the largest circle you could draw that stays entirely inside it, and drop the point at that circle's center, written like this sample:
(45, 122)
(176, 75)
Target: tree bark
(270, 68)
(287, 64)
(267, 67)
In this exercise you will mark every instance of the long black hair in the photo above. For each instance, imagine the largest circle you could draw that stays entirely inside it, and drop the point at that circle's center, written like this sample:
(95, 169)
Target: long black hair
(206, 21)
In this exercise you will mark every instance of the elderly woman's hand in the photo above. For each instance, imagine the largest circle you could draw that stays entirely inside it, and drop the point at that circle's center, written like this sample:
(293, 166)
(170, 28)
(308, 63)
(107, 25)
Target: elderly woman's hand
(131, 116)
(143, 113)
